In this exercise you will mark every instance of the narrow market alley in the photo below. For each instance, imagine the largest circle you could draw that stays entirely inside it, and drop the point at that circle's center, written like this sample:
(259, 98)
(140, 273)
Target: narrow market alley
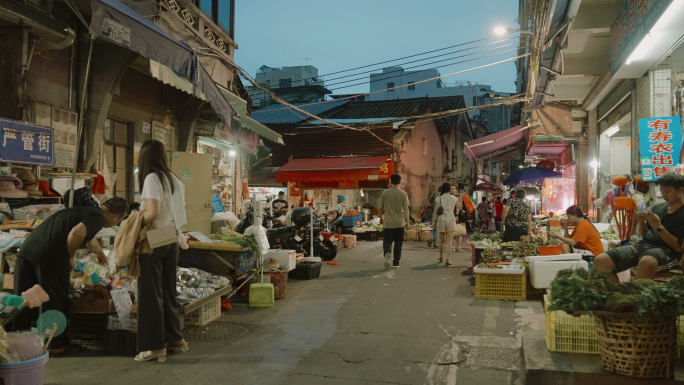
(356, 324)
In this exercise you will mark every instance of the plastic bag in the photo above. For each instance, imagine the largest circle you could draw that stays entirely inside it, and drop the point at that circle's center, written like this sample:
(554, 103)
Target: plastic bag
(259, 233)
(227, 216)
(183, 241)
(26, 345)
(470, 206)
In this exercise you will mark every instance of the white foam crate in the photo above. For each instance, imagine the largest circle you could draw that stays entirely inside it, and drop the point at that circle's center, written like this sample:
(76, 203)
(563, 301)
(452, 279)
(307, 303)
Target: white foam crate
(543, 273)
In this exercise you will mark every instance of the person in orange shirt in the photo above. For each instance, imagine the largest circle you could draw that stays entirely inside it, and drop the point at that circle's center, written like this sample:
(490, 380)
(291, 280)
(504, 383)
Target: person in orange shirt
(584, 236)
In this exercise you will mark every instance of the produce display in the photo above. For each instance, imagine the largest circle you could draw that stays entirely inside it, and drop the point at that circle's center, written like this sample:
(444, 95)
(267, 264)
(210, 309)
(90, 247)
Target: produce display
(528, 246)
(491, 238)
(609, 235)
(510, 244)
(231, 237)
(577, 290)
(488, 258)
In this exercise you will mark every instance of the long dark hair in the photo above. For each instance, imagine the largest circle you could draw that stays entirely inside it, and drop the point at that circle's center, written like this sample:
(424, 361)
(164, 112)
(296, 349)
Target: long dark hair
(152, 160)
(577, 211)
(446, 186)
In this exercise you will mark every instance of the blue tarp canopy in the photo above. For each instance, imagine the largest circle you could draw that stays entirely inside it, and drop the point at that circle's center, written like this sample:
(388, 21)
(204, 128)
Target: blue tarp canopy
(116, 23)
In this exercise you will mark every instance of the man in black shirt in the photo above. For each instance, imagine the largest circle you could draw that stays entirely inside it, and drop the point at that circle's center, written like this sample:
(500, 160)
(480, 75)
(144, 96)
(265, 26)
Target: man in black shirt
(662, 232)
(280, 205)
(49, 254)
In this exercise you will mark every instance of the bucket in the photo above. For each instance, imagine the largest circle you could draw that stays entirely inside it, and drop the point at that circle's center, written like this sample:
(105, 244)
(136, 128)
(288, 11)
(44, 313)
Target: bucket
(31, 372)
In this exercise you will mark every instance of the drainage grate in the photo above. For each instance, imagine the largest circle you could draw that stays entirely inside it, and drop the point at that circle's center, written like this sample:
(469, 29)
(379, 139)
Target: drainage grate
(493, 357)
(215, 331)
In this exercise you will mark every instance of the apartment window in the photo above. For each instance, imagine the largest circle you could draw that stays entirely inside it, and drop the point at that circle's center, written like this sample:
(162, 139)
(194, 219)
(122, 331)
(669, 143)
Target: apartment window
(411, 86)
(285, 83)
(390, 85)
(221, 12)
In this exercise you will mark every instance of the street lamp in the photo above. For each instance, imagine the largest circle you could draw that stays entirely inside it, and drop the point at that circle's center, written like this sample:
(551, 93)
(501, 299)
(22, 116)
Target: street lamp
(231, 153)
(503, 31)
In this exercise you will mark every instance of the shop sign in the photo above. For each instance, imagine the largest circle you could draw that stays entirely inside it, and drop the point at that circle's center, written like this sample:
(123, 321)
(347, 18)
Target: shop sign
(634, 21)
(237, 135)
(661, 145)
(26, 143)
(295, 189)
(384, 172)
(349, 184)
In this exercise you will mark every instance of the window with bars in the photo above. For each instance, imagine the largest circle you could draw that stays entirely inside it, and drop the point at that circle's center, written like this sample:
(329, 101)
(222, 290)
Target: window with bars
(116, 148)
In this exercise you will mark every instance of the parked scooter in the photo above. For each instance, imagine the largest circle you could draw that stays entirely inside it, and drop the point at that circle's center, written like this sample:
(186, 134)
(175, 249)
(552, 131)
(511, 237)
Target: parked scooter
(296, 236)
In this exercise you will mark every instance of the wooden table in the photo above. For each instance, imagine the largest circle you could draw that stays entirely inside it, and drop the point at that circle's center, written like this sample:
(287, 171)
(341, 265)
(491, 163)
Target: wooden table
(218, 259)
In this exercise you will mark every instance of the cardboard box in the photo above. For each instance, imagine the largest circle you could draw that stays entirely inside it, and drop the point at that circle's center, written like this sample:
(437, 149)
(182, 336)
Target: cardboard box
(94, 307)
(8, 282)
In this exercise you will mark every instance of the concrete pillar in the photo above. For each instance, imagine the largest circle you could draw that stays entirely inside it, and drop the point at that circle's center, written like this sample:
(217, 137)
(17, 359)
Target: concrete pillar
(107, 66)
(591, 154)
(187, 119)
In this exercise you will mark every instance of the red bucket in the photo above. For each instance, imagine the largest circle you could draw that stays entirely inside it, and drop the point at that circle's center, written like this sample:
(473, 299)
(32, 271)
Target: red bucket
(326, 234)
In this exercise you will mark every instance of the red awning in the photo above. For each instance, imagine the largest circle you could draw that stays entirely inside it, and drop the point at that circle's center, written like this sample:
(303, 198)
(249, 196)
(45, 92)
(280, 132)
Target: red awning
(335, 169)
(510, 143)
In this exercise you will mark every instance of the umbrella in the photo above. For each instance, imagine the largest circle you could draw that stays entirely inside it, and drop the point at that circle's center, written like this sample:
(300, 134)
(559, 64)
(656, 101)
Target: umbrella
(487, 186)
(531, 175)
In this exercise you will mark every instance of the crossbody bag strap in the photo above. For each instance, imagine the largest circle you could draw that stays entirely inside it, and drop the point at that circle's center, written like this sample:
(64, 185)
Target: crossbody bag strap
(168, 206)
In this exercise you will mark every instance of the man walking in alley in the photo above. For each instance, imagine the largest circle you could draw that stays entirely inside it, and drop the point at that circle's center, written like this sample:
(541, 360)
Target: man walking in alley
(498, 210)
(394, 216)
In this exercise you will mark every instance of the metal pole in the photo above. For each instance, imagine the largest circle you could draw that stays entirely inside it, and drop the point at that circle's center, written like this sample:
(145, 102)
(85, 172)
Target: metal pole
(635, 135)
(80, 122)
(312, 226)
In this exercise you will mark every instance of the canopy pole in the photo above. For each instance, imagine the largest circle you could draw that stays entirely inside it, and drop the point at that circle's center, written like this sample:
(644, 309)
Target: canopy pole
(80, 121)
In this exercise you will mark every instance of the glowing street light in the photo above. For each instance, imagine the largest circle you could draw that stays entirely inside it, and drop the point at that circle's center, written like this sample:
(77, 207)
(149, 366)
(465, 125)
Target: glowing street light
(503, 31)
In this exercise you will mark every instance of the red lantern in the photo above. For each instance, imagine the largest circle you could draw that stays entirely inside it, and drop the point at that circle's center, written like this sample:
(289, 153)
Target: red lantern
(547, 164)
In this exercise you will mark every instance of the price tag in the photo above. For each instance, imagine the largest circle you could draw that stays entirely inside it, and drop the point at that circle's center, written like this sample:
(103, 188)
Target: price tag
(321, 238)
(298, 238)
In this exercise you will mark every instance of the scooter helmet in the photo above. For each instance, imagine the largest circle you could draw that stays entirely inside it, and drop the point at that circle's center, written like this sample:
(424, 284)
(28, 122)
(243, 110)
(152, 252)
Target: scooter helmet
(340, 197)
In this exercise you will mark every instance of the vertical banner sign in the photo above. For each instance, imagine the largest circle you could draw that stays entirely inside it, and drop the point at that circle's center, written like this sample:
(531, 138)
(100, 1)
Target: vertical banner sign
(633, 23)
(661, 140)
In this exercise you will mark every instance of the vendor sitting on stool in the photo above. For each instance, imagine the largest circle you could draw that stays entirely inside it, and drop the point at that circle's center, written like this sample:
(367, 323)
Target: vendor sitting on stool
(584, 236)
(662, 230)
(340, 210)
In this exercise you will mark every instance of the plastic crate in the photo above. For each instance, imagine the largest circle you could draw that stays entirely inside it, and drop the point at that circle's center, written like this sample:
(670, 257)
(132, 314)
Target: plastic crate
(498, 285)
(121, 342)
(568, 334)
(306, 270)
(114, 323)
(372, 236)
(352, 220)
(680, 336)
(205, 313)
(88, 329)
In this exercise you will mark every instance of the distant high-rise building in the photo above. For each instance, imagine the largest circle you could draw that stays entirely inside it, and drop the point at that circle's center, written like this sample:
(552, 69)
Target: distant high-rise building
(299, 84)
(415, 85)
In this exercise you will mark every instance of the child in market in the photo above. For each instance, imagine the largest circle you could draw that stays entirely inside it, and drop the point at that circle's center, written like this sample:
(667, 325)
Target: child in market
(662, 230)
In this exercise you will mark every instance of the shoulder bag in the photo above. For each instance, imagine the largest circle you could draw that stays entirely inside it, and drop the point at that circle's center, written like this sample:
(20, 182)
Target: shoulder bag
(440, 210)
(164, 235)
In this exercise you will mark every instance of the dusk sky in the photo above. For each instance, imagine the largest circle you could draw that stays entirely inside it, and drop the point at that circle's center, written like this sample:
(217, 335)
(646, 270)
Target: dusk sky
(340, 35)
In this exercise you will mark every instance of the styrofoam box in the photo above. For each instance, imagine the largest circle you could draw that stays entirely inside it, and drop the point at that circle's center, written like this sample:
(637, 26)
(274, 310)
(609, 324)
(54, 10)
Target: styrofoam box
(547, 258)
(287, 258)
(542, 273)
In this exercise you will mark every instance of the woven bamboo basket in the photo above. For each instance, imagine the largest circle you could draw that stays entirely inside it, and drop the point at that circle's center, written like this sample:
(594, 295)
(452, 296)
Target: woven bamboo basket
(423, 236)
(637, 349)
(411, 235)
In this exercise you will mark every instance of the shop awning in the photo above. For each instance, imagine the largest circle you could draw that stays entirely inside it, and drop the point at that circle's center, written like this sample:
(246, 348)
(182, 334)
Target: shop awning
(239, 105)
(507, 144)
(116, 23)
(332, 169)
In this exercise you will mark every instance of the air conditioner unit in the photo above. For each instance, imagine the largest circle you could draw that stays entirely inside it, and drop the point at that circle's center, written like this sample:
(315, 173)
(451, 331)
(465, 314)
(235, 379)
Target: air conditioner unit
(576, 126)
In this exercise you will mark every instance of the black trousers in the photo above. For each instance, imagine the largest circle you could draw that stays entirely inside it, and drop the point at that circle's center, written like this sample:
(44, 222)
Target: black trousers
(395, 236)
(513, 234)
(158, 320)
(54, 279)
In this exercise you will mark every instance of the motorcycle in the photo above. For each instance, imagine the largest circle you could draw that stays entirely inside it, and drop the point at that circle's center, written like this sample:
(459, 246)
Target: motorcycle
(297, 236)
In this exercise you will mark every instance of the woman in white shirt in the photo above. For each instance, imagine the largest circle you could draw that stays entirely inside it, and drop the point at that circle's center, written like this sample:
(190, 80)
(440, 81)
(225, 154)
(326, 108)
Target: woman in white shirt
(163, 202)
(446, 222)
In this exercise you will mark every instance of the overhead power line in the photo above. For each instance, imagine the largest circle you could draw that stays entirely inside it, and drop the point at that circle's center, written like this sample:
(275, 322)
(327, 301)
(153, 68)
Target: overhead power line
(405, 57)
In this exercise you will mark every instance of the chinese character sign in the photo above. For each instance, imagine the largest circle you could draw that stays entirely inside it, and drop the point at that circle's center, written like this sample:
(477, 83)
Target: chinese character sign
(661, 145)
(26, 143)
(632, 24)
(238, 135)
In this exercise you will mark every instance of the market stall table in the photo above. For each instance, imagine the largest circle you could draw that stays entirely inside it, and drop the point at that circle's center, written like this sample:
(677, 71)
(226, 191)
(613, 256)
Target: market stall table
(218, 258)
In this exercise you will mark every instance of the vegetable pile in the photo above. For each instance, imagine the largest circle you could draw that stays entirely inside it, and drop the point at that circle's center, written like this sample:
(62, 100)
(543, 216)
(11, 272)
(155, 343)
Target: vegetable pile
(577, 290)
(488, 258)
(528, 246)
(232, 238)
(609, 235)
